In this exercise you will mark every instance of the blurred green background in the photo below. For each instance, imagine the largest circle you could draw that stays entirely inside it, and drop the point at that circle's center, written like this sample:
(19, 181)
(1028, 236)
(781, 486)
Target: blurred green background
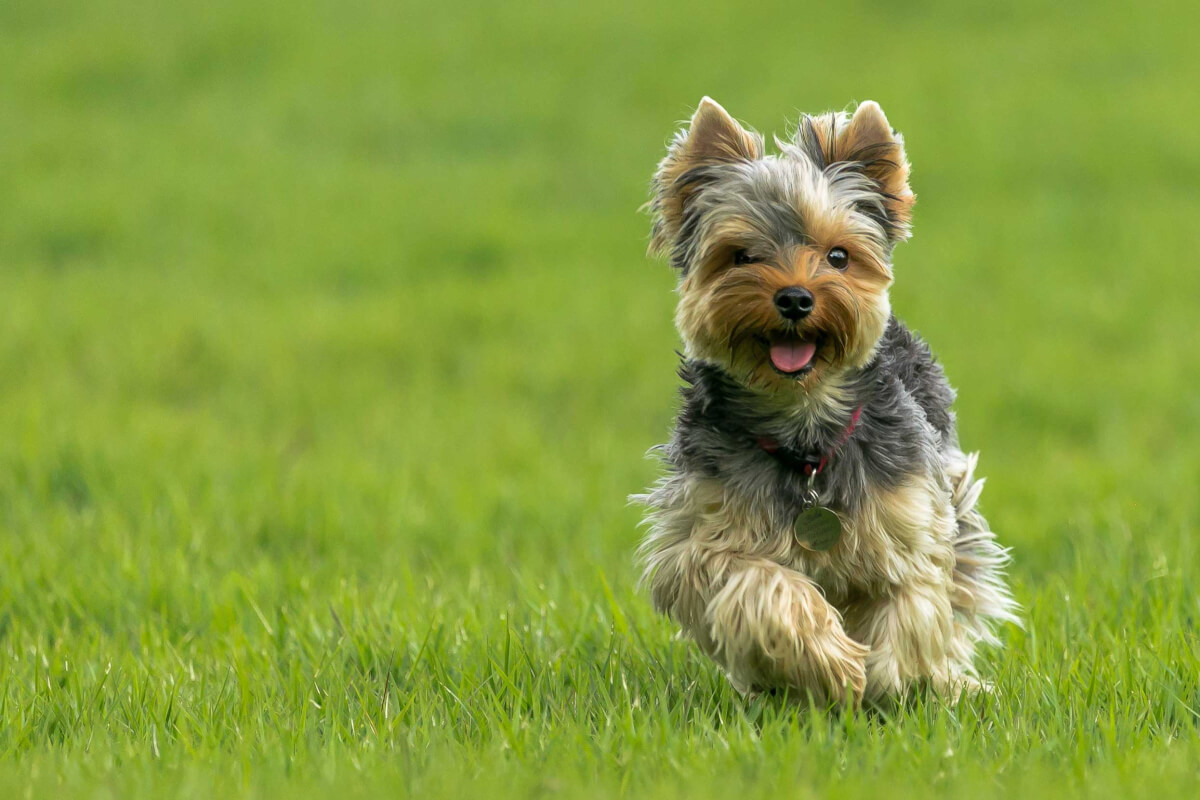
(329, 353)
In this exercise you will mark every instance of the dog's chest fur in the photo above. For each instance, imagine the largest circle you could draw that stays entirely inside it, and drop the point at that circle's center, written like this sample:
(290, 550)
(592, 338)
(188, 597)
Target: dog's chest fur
(885, 480)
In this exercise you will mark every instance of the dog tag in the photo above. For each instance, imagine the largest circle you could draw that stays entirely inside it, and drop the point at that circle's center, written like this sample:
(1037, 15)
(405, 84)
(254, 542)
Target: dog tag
(817, 528)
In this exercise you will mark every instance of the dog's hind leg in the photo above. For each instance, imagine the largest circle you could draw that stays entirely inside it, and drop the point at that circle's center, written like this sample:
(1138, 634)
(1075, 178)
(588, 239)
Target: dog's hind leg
(981, 597)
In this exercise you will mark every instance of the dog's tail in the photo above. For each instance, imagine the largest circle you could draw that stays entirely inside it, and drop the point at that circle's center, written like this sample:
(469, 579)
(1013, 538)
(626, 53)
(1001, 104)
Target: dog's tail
(981, 596)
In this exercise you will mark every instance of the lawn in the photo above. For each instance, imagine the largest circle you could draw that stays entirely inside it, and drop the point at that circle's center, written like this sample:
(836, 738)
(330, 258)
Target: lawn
(329, 353)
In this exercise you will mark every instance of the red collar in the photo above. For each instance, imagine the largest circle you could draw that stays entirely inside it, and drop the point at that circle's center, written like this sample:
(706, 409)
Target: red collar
(809, 464)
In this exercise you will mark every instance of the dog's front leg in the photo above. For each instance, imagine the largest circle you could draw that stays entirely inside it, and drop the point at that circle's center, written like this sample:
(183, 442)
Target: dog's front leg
(913, 640)
(908, 632)
(767, 625)
(910, 626)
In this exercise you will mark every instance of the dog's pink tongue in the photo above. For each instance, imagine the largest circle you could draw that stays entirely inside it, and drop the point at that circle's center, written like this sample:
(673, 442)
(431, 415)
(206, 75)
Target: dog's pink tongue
(792, 355)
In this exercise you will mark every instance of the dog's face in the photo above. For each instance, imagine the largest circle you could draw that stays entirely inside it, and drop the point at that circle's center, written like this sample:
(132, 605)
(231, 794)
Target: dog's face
(784, 261)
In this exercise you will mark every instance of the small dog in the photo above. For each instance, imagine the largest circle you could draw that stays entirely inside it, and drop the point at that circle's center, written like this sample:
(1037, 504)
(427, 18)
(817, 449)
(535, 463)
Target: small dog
(816, 531)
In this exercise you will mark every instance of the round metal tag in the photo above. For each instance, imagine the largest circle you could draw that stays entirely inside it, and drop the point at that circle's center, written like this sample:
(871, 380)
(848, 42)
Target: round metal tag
(818, 528)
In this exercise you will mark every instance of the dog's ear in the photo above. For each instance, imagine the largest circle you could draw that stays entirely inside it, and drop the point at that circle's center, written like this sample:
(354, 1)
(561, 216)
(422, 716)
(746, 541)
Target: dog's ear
(867, 142)
(713, 135)
(711, 138)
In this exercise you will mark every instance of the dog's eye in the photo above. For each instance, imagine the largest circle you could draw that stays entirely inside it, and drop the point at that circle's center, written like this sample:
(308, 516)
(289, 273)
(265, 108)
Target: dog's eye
(838, 258)
(742, 257)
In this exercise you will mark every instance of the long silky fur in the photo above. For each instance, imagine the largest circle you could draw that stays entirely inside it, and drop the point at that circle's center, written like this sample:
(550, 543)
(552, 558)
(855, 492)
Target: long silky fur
(916, 581)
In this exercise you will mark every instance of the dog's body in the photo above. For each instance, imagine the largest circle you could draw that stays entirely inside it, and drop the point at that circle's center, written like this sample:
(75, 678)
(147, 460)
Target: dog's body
(800, 381)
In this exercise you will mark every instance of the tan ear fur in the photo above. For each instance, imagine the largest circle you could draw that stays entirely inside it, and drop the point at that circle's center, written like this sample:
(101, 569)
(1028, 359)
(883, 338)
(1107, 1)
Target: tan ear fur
(712, 137)
(868, 138)
(871, 138)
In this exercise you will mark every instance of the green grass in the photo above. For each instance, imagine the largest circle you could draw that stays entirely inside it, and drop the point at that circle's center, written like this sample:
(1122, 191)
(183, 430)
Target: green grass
(329, 353)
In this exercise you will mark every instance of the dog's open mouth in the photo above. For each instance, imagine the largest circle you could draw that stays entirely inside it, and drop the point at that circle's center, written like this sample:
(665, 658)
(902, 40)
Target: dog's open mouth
(791, 355)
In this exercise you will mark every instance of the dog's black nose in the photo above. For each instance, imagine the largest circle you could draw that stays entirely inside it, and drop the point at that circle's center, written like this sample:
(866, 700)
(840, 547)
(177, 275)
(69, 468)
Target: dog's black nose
(794, 302)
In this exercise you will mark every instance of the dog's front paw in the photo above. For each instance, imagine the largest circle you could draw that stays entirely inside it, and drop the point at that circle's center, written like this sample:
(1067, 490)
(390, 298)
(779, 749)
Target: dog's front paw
(772, 629)
(962, 685)
(947, 686)
(839, 664)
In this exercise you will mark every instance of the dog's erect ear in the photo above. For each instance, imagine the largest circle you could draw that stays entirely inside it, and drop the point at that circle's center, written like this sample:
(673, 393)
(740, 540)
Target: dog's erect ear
(712, 137)
(867, 141)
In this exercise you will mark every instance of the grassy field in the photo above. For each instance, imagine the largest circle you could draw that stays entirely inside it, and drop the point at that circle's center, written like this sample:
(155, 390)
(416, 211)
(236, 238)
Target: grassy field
(329, 353)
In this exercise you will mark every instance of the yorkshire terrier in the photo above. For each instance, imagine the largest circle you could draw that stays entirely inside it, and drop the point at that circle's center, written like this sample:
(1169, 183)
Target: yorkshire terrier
(816, 532)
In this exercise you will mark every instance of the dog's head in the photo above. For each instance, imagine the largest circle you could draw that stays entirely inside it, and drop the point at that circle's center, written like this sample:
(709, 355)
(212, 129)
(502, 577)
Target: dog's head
(784, 261)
